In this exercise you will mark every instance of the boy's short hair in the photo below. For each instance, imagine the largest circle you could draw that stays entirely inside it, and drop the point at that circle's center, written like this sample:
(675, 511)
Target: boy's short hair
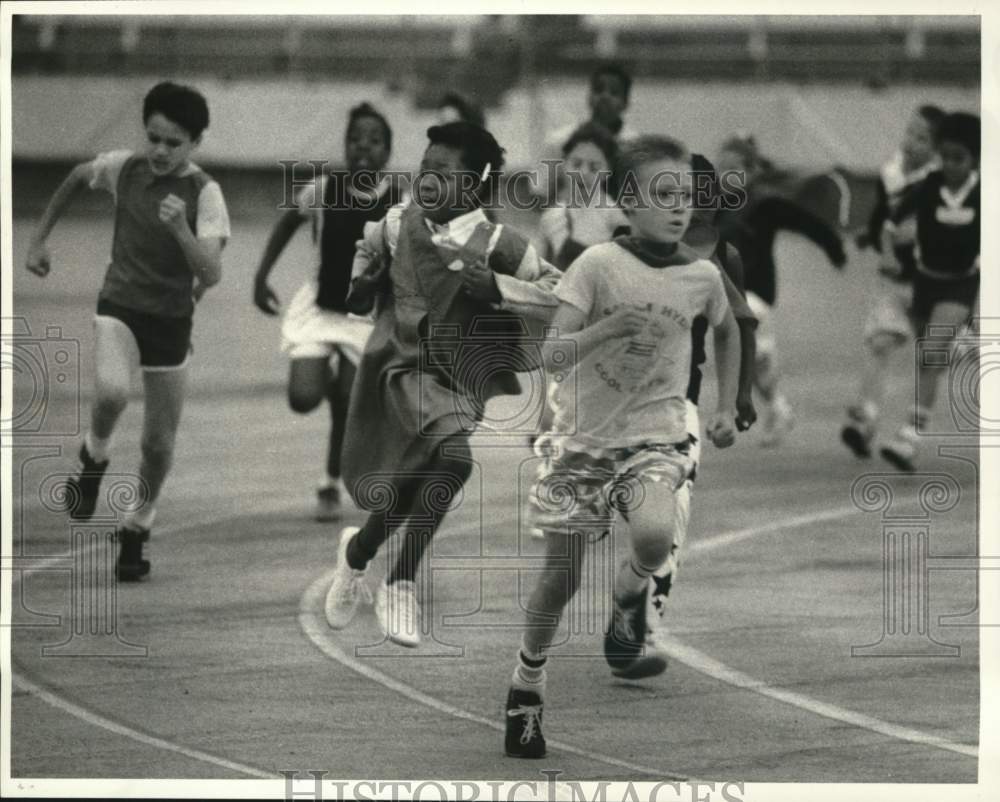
(477, 145)
(618, 71)
(467, 110)
(963, 128)
(368, 110)
(181, 105)
(932, 115)
(643, 150)
(596, 135)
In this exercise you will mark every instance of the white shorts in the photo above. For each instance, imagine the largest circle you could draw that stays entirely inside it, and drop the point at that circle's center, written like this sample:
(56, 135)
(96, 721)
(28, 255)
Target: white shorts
(890, 314)
(766, 343)
(310, 332)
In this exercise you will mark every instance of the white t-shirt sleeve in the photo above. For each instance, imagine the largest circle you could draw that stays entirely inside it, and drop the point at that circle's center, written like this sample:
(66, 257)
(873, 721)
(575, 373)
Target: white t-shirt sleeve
(106, 168)
(716, 304)
(309, 199)
(579, 283)
(213, 217)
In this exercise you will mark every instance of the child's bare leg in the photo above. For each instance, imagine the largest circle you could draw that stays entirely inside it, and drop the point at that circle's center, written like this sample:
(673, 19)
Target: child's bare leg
(164, 400)
(558, 583)
(874, 371)
(653, 523)
(945, 320)
(117, 355)
(339, 396)
(308, 382)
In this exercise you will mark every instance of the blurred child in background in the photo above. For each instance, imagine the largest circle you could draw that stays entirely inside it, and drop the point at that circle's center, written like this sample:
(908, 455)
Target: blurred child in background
(322, 341)
(946, 206)
(890, 322)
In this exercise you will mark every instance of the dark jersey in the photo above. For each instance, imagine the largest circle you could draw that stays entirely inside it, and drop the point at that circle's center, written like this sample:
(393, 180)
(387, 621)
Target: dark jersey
(336, 230)
(753, 228)
(947, 226)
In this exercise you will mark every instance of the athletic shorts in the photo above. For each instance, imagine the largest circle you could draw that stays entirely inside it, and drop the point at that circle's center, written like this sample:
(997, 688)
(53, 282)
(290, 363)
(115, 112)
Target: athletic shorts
(929, 291)
(308, 331)
(891, 312)
(578, 490)
(164, 342)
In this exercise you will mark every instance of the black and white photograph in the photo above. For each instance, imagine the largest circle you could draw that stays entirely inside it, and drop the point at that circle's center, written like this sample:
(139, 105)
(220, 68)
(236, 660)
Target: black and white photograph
(499, 402)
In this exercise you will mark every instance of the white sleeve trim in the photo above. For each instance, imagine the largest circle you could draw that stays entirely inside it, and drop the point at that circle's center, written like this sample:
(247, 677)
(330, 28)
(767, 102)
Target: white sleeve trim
(213, 217)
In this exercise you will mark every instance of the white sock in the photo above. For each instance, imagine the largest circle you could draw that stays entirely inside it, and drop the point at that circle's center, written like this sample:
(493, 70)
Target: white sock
(143, 517)
(529, 678)
(96, 447)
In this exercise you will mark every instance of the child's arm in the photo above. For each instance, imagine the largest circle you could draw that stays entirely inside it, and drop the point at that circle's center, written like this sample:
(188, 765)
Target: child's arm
(569, 341)
(872, 236)
(727, 364)
(732, 279)
(39, 260)
(780, 213)
(263, 296)
(203, 254)
(370, 269)
(527, 290)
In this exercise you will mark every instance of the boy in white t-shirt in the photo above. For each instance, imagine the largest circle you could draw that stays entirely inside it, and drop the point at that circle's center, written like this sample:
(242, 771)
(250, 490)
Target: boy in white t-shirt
(620, 439)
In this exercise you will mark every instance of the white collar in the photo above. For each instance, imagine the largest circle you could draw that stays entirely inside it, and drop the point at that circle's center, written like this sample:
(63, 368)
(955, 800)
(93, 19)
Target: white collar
(957, 198)
(463, 224)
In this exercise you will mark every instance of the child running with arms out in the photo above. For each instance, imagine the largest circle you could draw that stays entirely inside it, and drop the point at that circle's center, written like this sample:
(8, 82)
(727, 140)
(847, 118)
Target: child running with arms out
(946, 281)
(621, 443)
(441, 274)
(323, 342)
(171, 225)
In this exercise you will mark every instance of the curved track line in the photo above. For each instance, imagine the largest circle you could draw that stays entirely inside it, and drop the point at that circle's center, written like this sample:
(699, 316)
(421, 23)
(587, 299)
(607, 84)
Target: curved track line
(704, 664)
(120, 729)
(95, 719)
(313, 623)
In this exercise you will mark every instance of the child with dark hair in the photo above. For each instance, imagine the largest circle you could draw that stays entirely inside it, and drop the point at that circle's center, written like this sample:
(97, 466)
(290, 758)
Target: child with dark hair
(438, 273)
(454, 108)
(890, 322)
(171, 225)
(752, 229)
(324, 342)
(587, 213)
(620, 436)
(946, 206)
(610, 89)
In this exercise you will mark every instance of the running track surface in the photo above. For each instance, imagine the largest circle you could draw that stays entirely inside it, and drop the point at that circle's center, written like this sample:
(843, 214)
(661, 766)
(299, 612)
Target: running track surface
(224, 668)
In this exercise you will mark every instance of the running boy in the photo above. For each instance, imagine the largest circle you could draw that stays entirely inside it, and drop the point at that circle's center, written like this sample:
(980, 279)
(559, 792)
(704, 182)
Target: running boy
(171, 225)
(946, 281)
(752, 229)
(889, 322)
(323, 343)
(629, 307)
(443, 274)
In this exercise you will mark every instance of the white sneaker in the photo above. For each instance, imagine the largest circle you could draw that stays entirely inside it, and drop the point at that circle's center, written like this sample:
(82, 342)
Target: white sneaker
(778, 422)
(901, 450)
(398, 612)
(348, 588)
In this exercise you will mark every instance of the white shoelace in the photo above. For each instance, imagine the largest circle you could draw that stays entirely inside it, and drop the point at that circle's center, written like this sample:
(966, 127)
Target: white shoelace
(354, 587)
(532, 719)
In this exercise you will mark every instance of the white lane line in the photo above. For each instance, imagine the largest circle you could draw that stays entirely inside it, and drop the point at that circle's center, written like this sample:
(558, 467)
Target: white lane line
(736, 535)
(704, 664)
(313, 623)
(127, 732)
(20, 679)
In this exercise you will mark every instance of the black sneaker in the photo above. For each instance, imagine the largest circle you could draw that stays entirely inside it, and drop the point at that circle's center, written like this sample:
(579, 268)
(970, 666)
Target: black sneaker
(626, 635)
(524, 725)
(131, 567)
(328, 504)
(858, 433)
(81, 490)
